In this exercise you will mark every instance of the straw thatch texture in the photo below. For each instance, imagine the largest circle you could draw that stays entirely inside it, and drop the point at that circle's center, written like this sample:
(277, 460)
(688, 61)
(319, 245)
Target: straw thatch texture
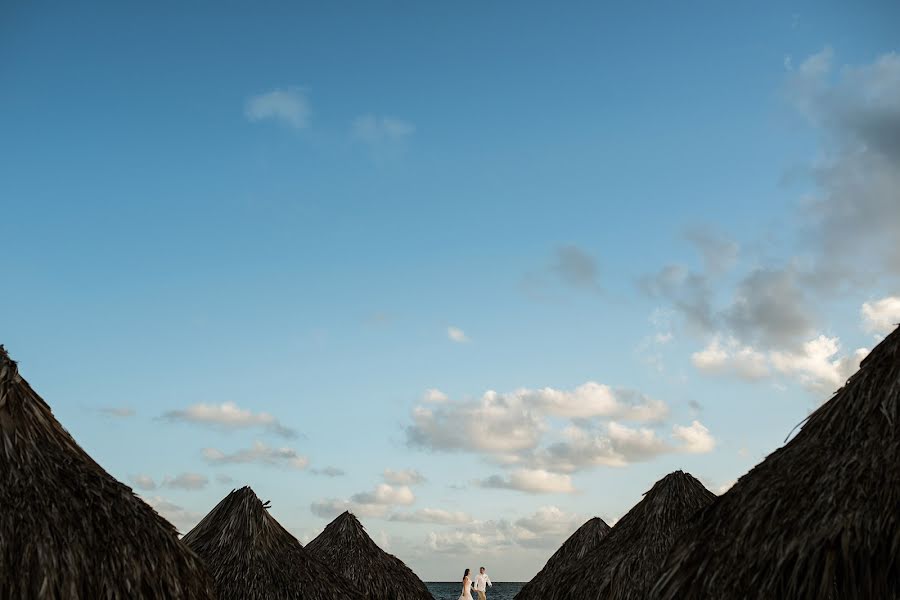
(820, 516)
(584, 540)
(68, 529)
(252, 557)
(345, 545)
(625, 563)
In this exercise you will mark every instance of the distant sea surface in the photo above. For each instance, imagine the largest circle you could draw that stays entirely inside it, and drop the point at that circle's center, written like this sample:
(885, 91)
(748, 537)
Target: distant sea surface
(446, 590)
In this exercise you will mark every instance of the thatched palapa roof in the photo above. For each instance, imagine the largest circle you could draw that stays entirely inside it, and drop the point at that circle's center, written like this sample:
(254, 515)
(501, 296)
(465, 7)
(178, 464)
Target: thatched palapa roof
(252, 557)
(345, 545)
(625, 563)
(68, 529)
(584, 540)
(818, 518)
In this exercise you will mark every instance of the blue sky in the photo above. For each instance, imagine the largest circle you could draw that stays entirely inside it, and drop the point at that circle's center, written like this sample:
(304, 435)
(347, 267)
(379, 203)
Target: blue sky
(476, 272)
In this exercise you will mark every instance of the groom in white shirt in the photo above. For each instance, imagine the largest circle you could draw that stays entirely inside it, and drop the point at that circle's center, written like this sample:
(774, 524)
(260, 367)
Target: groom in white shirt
(480, 583)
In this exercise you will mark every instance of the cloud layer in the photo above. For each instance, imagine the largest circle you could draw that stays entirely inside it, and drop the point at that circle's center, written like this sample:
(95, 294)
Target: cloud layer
(511, 430)
(287, 106)
(259, 453)
(227, 416)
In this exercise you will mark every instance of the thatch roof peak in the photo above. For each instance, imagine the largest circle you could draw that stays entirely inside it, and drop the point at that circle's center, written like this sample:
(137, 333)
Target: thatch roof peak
(68, 528)
(577, 546)
(252, 557)
(623, 565)
(829, 500)
(345, 545)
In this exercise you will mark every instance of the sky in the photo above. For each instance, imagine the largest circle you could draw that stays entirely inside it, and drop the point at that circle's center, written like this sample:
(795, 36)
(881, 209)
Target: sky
(476, 272)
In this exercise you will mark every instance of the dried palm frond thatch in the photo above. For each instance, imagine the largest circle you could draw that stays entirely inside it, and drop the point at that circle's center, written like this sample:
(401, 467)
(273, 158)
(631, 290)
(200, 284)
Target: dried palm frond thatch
(624, 565)
(68, 529)
(252, 557)
(819, 517)
(584, 540)
(345, 545)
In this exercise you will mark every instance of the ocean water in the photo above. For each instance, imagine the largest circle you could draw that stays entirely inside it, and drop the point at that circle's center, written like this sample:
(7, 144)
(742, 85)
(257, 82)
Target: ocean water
(446, 590)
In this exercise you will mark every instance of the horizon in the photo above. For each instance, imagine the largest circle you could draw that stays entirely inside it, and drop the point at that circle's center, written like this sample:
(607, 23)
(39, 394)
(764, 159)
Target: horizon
(475, 273)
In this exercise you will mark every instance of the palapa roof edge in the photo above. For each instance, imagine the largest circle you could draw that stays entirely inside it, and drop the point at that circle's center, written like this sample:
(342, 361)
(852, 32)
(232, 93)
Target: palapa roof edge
(624, 564)
(818, 517)
(583, 540)
(345, 544)
(81, 533)
(251, 556)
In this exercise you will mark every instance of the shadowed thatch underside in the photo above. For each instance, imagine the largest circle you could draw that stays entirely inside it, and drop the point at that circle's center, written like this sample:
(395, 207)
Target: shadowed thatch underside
(252, 557)
(625, 563)
(345, 545)
(70, 530)
(819, 517)
(584, 540)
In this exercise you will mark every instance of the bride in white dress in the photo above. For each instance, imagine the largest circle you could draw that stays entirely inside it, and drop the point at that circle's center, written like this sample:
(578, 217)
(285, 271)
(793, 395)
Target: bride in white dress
(467, 587)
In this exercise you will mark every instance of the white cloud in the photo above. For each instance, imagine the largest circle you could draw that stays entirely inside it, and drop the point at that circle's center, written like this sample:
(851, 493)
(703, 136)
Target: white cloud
(329, 472)
(288, 106)
(143, 482)
(617, 445)
(532, 481)
(592, 399)
(881, 316)
(178, 516)
(228, 415)
(375, 130)
(434, 396)
(494, 425)
(695, 438)
(332, 507)
(403, 476)
(504, 425)
(433, 515)
(815, 364)
(259, 453)
(375, 503)
(457, 335)
(817, 65)
(386, 494)
(731, 358)
(725, 486)
(185, 481)
(545, 529)
(508, 429)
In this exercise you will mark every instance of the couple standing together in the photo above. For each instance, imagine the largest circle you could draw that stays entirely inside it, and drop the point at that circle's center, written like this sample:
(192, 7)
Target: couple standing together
(480, 584)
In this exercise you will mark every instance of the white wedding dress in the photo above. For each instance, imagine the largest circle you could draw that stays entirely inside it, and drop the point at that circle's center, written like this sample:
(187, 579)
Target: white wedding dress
(467, 589)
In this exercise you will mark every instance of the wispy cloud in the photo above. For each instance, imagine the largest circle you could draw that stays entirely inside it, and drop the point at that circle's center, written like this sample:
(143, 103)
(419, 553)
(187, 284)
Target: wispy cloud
(228, 415)
(455, 334)
(182, 481)
(288, 106)
(374, 503)
(545, 529)
(817, 364)
(433, 515)
(259, 453)
(403, 476)
(881, 316)
(570, 266)
(178, 516)
(532, 481)
(379, 130)
(329, 472)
